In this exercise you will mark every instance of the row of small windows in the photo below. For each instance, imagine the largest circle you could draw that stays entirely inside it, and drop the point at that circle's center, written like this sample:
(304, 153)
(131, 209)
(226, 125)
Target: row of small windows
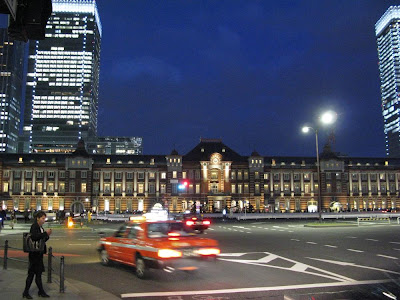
(239, 175)
(82, 174)
(72, 188)
(235, 188)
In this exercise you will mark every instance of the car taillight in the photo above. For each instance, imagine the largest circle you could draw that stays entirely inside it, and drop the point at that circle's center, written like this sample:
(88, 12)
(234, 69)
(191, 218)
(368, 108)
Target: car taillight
(206, 222)
(208, 251)
(189, 223)
(169, 253)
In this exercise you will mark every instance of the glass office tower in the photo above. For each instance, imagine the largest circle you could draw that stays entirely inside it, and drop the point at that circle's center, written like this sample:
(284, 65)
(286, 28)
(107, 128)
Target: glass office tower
(11, 80)
(62, 87)
(387, 31)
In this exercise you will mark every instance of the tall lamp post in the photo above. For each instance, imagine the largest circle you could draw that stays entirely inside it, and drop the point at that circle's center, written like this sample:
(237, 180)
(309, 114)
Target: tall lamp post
(326, 118)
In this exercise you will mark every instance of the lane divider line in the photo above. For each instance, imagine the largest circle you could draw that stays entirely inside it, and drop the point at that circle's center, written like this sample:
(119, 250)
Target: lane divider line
(256, 289)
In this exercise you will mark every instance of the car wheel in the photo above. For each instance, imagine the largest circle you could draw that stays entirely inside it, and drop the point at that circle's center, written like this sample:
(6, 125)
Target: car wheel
(104, 258)
(141, 269)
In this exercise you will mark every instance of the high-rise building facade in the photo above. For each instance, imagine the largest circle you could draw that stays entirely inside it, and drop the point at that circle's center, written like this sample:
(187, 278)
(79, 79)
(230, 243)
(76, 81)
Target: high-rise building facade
(62, 87)
(387, 31)
(11, 80)
(121, 145)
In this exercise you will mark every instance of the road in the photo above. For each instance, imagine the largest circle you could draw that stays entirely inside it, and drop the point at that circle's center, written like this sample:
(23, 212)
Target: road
(259, 260)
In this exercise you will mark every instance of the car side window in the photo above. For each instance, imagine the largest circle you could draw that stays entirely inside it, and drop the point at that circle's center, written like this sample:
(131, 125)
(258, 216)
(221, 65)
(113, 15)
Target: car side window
(132, 233)
(121, 231)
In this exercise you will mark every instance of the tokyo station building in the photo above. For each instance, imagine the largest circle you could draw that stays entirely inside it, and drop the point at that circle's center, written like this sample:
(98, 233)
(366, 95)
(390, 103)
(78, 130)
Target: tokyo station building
(211, 176)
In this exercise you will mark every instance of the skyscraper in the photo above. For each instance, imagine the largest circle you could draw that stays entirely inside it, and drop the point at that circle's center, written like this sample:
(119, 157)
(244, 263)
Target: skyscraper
(387, 31)
(11, 79)
(61, 104)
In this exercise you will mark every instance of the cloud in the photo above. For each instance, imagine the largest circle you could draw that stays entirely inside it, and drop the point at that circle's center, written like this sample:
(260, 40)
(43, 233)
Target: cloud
(128, 69)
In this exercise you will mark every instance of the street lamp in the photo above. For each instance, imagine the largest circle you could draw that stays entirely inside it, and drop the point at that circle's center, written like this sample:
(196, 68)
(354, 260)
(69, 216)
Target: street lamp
(326, 118)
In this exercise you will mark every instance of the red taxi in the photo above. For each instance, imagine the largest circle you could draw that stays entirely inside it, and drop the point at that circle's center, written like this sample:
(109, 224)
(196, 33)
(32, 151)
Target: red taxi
(167, 245)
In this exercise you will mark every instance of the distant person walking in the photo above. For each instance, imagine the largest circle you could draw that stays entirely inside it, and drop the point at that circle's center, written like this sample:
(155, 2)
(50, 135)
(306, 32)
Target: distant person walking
(13, 219)
(26, 215)
(3, 216)
(36, 266)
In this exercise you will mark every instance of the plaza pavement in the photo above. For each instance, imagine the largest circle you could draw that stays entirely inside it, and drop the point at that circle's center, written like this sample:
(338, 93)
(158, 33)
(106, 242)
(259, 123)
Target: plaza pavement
(12, 280)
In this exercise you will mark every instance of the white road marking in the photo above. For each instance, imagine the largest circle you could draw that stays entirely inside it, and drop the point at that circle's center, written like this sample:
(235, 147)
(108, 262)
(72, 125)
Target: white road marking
(385, 256)
(232, 254)
(299, 267)
(268, 258)
(372, 240)
(290, 231)
(354, 250)
(351, 237)
(255, 289)
(396, 249)
(330, 246)
(313, 270)
(312, 243)
(341, 263)
(395, 243)
(295, 240)
(265, 228)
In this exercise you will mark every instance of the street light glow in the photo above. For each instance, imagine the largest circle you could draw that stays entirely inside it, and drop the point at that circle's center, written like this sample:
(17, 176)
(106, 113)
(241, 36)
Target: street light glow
(328, 117)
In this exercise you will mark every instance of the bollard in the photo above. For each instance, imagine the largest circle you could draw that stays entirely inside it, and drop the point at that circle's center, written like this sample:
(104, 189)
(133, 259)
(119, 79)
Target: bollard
(49, 265)
(5, 255)
(62, 274)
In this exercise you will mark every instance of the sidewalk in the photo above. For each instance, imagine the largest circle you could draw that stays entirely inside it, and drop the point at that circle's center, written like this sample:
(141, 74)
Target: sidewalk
(12, 284)
(12, 281)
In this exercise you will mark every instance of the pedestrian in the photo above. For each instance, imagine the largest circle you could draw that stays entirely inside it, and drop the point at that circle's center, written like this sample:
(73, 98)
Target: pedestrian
(13, 218)
(3, 216)
(26, 215)
(36, 266)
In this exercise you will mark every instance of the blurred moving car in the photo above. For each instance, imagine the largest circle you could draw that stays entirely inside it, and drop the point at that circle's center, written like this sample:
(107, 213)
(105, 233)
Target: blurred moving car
(169, 245)
(196, 222)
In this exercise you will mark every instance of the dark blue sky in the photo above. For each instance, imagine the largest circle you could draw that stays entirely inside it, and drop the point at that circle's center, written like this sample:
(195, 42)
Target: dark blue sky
(249, 72)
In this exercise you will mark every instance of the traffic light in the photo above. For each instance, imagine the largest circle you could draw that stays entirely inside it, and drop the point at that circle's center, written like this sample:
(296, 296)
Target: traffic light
(31, 19)
(183, 185)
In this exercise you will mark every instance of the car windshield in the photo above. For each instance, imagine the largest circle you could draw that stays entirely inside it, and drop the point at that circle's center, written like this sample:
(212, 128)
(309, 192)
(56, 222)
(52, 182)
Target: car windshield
(156, 230)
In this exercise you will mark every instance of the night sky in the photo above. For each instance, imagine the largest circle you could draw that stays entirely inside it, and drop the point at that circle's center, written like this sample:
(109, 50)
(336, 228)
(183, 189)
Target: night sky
(248, 72)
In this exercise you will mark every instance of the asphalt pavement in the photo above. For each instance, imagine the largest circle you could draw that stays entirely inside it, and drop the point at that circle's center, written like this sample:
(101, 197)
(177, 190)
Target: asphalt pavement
(12, 280)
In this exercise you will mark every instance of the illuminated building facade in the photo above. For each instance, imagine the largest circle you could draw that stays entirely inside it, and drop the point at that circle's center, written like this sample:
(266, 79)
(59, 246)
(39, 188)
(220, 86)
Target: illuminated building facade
(210, 177)
(62, 89)
(11, 79)
(387, 31)
(116, 145)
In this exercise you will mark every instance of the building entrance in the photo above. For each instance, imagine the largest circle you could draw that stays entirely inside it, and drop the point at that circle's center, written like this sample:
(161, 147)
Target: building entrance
(77, 208)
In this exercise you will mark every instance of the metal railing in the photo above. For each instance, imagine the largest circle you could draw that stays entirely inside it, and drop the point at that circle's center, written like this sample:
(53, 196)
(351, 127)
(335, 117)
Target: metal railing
(50, 269)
